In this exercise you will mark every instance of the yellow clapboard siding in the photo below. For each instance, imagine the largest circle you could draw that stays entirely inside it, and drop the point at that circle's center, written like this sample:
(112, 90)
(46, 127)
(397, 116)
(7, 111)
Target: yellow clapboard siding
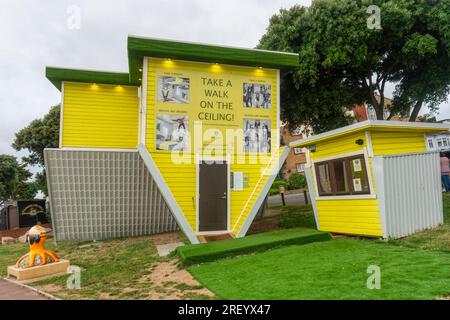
(394, 142)
(341, 145)
(181, 178)
(100, 116)
(353, 216)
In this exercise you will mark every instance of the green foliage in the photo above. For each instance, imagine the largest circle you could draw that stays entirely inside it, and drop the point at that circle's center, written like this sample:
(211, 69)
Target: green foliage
(14, 182)
(199, 253)
(38, 135)
(343, 62)
(274, 189)
(297, 217)
(297, 181)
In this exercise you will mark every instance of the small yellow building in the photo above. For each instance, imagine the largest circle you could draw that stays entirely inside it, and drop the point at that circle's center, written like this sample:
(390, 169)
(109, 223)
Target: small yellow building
(188, 139)
(374, 178)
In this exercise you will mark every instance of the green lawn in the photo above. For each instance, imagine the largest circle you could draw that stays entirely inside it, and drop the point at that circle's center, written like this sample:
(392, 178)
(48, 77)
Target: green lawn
(334, 269)
(198, 253)
(112, 269)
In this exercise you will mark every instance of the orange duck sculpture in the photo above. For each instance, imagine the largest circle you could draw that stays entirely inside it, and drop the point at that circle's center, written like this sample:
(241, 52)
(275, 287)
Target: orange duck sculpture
(38, 255)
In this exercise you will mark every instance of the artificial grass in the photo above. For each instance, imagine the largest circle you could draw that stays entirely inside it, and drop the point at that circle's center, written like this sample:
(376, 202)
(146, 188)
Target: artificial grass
(212, 251)
(334, 269)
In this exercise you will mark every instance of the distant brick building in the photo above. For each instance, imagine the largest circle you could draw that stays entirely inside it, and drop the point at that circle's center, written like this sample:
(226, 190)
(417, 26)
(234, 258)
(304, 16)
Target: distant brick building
(363, 112)
(296, 160)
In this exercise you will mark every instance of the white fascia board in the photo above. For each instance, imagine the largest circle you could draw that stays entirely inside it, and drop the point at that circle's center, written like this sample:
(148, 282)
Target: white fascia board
(167, 194)
(312, 196)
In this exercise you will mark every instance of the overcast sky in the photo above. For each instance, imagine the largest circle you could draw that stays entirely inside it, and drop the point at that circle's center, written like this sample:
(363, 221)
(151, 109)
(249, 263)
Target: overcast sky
(35, 34)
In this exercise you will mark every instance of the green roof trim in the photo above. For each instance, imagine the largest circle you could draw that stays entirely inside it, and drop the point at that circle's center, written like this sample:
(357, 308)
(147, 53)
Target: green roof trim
(138, 48)
(58, 75)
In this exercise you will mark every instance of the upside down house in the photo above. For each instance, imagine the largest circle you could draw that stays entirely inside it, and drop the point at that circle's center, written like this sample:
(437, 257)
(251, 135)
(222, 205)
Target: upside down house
(188, 139)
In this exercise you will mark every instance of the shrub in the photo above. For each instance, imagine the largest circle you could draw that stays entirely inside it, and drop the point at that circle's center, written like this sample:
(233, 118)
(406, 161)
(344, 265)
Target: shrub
(276, 185)
(297, 181)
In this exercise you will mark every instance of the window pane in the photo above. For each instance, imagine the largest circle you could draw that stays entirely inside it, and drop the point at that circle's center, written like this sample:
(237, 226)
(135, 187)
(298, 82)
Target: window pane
(359, 175)
(324, 178)
(340, 174)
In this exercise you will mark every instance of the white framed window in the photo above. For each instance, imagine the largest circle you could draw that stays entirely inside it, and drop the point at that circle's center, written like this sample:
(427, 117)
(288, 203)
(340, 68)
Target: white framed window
(430, 144)
(297, 150)
(345, 176)
(300, 167)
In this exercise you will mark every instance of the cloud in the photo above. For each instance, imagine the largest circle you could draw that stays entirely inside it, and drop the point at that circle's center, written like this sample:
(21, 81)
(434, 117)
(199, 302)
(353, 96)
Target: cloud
(35, 34)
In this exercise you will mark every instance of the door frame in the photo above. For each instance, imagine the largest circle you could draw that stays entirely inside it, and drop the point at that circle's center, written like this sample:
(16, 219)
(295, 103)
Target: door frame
(198, 160)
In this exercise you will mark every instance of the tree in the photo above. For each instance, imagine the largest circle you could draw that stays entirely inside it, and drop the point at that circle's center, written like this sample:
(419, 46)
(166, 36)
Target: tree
(38, 135)
(14, 178)
(343, 61)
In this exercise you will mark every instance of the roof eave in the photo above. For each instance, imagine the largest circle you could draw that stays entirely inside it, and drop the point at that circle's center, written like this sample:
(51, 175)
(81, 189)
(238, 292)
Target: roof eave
(58, 75)
(138, 48)
(370, 125)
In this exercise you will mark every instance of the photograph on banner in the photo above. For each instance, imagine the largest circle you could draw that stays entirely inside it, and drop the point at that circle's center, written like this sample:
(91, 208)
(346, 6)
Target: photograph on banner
(173, 89)
(257, 95)
(257, 136)
(172, 132)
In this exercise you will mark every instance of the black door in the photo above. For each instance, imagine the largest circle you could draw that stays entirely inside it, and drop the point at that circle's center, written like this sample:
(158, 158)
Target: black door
(213, 197)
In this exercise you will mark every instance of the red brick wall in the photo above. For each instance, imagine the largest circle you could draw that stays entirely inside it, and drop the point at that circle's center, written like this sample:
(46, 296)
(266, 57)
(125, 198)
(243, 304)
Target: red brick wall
(290, 165)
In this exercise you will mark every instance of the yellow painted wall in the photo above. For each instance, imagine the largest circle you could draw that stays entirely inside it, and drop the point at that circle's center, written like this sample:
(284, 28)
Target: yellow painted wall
(361, 216)
(395, 142)
(181, 178)
(100, 116)
(352, 216)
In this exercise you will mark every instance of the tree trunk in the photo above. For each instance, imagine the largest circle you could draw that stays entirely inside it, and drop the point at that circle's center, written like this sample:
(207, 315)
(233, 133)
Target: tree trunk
(415, 111)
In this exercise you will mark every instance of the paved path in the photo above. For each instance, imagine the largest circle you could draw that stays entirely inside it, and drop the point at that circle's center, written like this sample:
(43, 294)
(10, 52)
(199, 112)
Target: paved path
(12, 291)
(291, 199)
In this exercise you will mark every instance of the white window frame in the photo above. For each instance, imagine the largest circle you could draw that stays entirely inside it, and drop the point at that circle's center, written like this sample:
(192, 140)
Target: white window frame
(296, 149)
(371, 195)
(300, 164)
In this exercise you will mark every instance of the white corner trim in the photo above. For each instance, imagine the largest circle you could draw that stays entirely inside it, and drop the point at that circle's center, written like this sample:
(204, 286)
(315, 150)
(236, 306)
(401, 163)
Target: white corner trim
(312, 195)
(61, 118)
(278, 110)
(167, 194)
(251, 215)
(369, 143)
(377, 164)
(143, 107)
